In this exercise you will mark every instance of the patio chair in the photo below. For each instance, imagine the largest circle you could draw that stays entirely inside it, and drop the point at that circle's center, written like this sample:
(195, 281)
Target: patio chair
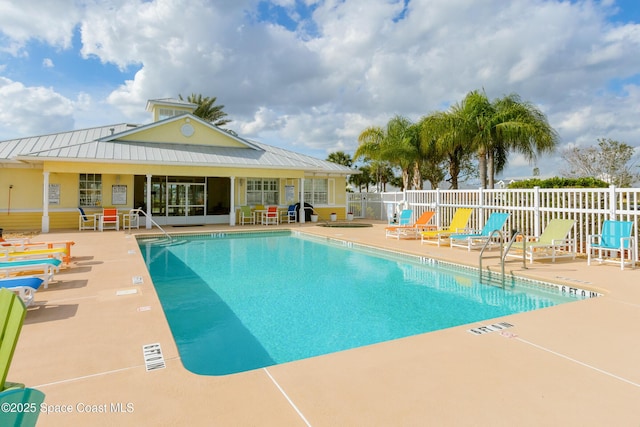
(24, 287)
(86, 221)
(110, 219)
(290, 215)
(21, 398)
(410, 231)
(478, 239)
(553, 243)
(43, 268)
(131, 220)
(458, 224)
(615, 238)
(270, 216)
(12, 314)
(246, 216)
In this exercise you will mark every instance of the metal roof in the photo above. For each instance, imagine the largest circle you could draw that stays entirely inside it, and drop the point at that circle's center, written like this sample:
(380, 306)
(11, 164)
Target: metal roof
(100, 144)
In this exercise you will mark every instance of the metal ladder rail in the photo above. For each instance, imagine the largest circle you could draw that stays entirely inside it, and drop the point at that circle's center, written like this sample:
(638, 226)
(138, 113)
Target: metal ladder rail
(524, 249)
(494, 232)
(140, 211)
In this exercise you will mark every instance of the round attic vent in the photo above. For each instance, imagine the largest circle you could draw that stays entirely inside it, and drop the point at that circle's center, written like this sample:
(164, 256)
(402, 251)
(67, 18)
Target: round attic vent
(187, 130)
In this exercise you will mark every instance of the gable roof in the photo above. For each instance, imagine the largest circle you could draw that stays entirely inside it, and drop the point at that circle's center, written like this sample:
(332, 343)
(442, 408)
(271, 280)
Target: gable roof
(103, 145)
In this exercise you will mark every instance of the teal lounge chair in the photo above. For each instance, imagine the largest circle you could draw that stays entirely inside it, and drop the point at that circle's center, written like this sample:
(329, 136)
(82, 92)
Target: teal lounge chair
(47, 266)
(476, 240)
(615, 238)
(553, 243)
(29, 399)
(24, 287)
(404, 218)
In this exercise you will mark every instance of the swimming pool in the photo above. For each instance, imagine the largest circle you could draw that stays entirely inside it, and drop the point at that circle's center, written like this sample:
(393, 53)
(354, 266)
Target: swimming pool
(241, 301)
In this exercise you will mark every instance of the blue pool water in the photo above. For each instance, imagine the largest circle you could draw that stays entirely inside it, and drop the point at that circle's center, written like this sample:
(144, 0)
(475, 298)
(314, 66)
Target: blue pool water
(240, 301)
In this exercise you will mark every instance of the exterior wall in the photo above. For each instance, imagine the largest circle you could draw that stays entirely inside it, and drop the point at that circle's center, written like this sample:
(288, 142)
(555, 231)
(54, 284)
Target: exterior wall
(170, 133)
(27, 194)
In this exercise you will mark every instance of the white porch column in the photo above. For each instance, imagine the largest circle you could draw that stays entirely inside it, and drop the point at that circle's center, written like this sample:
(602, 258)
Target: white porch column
(232, 208)
(302, 211)
(148, 216)
(45, 203)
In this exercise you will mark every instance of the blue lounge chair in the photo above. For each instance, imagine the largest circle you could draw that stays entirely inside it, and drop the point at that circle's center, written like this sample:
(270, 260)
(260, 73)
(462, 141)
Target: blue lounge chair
(615, 238)
(44, 268)
(472, 240)
(24, 287)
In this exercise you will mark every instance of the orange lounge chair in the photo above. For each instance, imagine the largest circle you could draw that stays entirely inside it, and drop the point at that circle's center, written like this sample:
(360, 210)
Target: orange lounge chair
(411, 231)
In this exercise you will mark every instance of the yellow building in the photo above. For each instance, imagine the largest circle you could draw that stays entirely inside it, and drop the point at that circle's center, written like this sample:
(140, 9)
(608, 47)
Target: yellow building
(179, 169)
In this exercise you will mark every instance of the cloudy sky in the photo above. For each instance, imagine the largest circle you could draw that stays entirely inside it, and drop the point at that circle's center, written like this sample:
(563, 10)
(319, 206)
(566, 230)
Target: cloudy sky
(310, 75)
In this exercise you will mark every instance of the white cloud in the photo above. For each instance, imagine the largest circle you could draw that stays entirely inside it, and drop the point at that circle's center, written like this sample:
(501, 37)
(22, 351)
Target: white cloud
(49, 21)
(363, 63)
(47, 63)
(29, 111)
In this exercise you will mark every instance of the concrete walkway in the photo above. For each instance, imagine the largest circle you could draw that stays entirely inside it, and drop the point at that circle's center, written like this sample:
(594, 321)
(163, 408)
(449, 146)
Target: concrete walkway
(576, 364)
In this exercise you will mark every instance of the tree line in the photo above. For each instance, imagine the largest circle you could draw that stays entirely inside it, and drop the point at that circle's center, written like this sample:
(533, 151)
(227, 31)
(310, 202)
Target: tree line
(474, 138)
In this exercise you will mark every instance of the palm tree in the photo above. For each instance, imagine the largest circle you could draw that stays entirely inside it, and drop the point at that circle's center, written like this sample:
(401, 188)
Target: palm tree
(506, 124)
(341, 158)
(521, 127)
(363, 179)
(207, 110)
(443, 134)
(398, 144)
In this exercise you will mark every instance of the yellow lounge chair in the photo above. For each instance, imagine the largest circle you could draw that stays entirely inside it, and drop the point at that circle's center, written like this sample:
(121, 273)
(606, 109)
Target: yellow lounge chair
(458, 224)
(410, 231)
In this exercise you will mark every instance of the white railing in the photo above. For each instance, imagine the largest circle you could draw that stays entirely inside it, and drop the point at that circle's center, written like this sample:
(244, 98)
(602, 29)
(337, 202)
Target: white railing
(530, 209)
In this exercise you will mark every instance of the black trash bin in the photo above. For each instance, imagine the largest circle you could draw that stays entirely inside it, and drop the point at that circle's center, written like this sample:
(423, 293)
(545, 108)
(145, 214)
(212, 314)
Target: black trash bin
(307, 211)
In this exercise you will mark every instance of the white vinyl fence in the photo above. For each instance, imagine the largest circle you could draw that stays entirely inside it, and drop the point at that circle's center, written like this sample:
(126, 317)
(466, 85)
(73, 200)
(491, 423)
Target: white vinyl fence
(530, 209)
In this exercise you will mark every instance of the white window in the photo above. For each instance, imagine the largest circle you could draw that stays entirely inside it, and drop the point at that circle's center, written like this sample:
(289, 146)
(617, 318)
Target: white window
(165, 113)
(263, 191)
(316, 191)
(90, 189)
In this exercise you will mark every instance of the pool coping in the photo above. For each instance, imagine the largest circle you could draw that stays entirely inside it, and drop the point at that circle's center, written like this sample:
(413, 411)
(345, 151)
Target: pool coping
(572, 364)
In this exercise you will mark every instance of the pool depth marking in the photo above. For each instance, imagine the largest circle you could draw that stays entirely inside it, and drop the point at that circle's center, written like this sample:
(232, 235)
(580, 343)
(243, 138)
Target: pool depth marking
(490, 328)
(153, 358)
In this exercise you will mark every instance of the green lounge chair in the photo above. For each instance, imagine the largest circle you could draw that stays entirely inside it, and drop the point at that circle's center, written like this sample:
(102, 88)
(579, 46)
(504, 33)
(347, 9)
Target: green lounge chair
(553, 243)
(616, 238)
(476, 240)
(458, 224)
(12, 313)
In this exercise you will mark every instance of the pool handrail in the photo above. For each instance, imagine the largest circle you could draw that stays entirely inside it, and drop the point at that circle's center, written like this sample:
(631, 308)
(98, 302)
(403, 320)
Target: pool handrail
(140, 211)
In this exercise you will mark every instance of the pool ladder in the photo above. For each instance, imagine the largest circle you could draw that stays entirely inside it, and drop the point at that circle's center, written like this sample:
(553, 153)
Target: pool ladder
(503, 251)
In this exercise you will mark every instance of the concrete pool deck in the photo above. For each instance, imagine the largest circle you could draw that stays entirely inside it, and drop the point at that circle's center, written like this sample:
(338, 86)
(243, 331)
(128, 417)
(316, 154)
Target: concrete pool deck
(573, 364)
